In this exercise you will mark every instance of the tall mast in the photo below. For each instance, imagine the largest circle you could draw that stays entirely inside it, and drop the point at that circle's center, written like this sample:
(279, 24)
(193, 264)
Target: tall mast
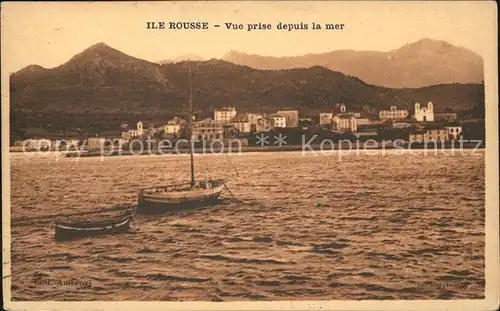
(190, 131)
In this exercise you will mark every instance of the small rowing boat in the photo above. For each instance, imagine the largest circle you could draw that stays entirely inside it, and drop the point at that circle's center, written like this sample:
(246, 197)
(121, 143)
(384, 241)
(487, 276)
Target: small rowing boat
(69, 229)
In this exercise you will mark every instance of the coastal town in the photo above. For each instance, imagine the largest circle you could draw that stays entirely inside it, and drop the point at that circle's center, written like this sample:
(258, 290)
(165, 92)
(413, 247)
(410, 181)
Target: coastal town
(420, 125)
(282, 155)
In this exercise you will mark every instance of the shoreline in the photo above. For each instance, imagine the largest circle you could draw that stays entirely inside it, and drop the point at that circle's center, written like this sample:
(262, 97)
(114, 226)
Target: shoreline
(250, 149)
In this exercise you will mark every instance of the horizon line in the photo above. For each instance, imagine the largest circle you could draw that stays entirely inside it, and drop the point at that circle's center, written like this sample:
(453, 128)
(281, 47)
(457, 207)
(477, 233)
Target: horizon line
(174, 59)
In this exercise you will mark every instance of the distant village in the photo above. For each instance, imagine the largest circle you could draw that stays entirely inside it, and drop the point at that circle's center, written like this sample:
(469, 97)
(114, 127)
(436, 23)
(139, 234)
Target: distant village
(422, 125)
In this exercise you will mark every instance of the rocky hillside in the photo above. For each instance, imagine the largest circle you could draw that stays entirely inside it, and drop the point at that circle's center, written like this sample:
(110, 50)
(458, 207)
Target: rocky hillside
(422, 63)
(101, 87)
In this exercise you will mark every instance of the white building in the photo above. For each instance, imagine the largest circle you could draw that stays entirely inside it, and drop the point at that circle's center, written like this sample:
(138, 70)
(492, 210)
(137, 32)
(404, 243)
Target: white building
(242, 124)
(454, 131)
(291, 116)
(265, 124)
(345, 123)
(341, 108)
(37, 144)
(325, 118)
(393, 114)
(278, 120)
(424, 114)
(429, 135)
(67, 144)
(207, 129)
(224, 115)
(253, 117)
(173, 127)
(243, 127)
(131, 133)
(361, 121)
(440, 134)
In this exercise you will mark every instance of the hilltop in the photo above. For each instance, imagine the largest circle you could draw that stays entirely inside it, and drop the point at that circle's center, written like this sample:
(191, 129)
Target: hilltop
(99, 88)
(418, 64)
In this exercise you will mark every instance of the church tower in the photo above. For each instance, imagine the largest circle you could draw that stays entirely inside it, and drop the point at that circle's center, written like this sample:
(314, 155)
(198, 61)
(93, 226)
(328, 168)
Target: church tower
(139, 128)
(342, 108)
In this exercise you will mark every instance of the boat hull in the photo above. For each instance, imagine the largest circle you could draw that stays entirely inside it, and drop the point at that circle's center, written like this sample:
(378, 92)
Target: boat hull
(149, 207)
(65, 232)
(151, 202)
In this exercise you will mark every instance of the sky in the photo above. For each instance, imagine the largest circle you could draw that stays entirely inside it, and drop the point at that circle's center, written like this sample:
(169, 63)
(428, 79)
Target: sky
(49, 34)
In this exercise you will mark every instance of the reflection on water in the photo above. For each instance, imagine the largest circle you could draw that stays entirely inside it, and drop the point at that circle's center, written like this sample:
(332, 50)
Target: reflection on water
(369, 226)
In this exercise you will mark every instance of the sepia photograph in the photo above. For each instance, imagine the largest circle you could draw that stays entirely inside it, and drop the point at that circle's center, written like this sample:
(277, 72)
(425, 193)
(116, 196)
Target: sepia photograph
(250, 155)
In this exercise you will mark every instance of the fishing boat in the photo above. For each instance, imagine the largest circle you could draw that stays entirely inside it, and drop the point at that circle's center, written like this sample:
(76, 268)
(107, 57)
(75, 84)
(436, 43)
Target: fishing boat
(180, 196)
(71, 229)
(183, 195)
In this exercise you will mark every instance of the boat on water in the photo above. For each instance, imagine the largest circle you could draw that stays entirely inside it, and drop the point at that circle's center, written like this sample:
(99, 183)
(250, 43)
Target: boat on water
(180, 196)
(68, 229)
(184, 195)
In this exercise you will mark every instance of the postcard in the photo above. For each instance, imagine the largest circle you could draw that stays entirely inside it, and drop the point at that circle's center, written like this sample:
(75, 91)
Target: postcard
(250, 155)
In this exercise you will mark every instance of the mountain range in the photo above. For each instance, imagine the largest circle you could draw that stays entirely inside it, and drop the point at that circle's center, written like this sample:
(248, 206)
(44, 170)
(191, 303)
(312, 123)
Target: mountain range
(101, 87)
(182, 58)
(422, 63)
